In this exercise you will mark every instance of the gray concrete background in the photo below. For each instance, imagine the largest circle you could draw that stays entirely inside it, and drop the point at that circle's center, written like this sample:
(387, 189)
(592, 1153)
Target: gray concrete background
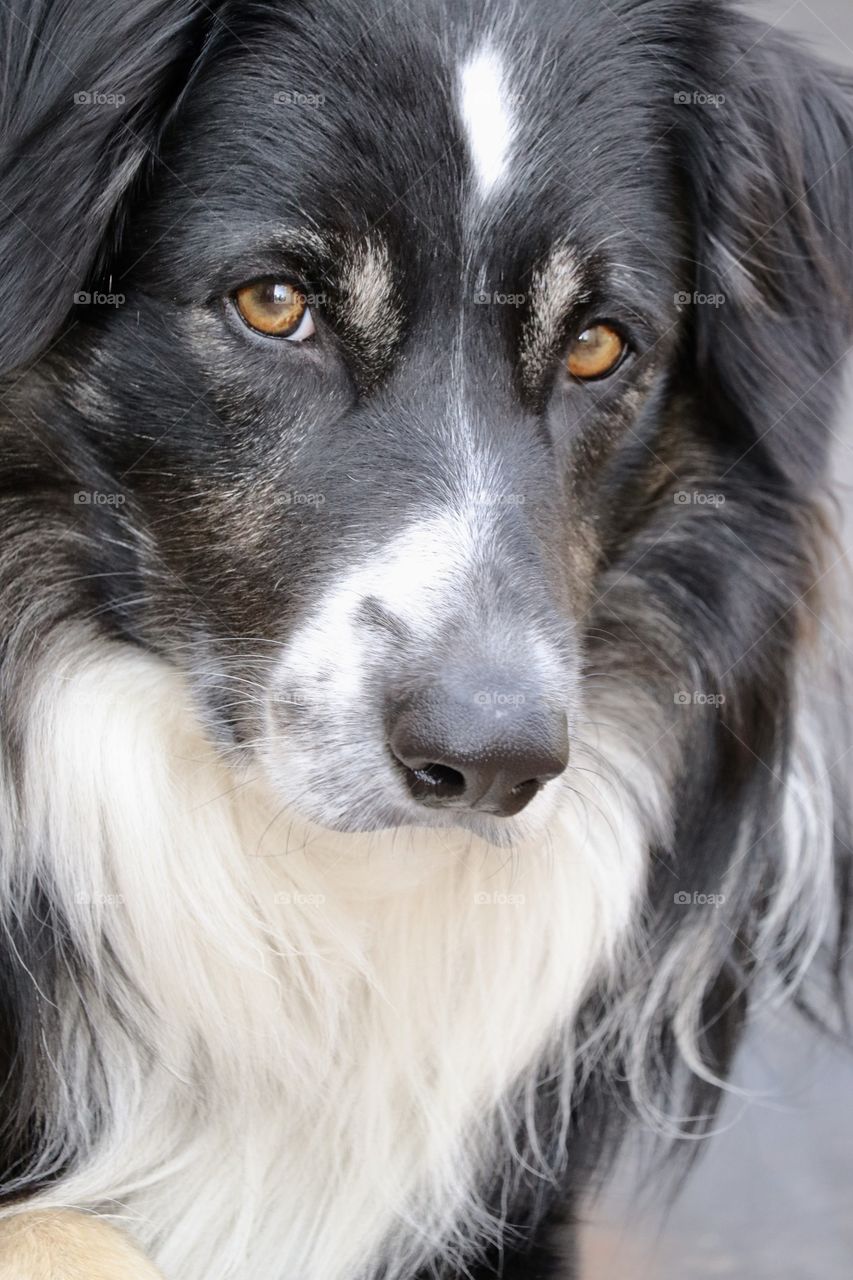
(826, 24)
(772, 1197)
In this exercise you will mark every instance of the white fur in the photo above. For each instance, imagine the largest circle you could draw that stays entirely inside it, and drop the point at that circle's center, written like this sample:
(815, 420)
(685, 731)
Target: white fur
(487, 116)
(336, 1025)
(416, 577)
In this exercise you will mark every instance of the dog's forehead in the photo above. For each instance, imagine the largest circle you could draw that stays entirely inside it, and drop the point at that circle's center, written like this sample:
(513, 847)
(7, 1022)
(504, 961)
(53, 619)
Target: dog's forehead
(474, 141)
(442, 104)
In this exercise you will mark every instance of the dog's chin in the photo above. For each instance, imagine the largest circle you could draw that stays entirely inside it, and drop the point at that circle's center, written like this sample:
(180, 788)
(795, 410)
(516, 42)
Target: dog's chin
(502, 833)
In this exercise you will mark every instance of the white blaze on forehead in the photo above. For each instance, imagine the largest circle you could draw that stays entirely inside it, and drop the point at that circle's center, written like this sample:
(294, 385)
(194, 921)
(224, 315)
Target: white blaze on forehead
(487, 117)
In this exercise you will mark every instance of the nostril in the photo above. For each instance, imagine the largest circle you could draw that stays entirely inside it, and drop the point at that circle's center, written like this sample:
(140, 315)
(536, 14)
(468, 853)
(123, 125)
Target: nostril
(440, 776)
(434, 781)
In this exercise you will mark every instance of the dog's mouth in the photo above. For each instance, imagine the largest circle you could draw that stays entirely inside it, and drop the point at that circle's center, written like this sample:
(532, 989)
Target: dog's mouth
(488, 827)
(385, 793)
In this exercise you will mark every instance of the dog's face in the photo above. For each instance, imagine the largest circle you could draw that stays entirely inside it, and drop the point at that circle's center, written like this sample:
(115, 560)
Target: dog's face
(386, 324)
(400, 335)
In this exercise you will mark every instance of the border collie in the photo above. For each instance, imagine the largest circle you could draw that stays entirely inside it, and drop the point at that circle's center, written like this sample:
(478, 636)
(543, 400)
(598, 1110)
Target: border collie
(420, 691)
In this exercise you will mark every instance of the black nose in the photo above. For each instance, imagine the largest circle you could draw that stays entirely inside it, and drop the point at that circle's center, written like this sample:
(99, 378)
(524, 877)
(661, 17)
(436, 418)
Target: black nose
(490, 749)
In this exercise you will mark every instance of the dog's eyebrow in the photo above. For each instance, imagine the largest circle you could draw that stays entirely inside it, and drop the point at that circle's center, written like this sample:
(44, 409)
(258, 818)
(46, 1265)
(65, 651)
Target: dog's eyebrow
(556, 286)
(302, 240)
(263, 247)
(368, 305)
(360, 269)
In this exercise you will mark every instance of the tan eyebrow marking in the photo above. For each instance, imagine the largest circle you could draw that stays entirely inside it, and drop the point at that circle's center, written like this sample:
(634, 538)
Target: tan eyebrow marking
(369, 305)
(555, 287)
(305, 239)
(278, 237)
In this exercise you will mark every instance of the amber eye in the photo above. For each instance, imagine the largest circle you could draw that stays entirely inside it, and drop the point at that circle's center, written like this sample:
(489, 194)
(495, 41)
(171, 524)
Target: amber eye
(275, 308)
(596, 352)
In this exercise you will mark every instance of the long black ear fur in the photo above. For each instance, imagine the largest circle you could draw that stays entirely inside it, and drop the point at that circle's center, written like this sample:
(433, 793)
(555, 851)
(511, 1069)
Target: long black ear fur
(85, 86)
(769, 159)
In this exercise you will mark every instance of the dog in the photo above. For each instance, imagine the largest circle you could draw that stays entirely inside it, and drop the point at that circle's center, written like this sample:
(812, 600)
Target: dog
(422, 601)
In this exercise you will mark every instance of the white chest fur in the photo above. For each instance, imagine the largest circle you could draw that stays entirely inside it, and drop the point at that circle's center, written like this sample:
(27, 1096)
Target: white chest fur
(321, 1038)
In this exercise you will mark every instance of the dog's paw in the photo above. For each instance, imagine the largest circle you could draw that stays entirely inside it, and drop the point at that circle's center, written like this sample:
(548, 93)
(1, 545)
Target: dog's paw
(60, 1245)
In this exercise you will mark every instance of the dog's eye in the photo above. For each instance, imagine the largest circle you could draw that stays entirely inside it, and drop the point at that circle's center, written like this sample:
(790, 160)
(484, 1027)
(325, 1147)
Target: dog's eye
(596, 352)
(275, 308)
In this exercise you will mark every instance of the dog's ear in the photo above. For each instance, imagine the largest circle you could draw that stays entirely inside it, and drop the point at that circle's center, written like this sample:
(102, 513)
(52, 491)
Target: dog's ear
(86, 86)
(770, 163)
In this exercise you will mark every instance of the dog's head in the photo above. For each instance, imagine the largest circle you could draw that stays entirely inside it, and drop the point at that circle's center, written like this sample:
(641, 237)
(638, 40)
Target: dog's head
(395, 367)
